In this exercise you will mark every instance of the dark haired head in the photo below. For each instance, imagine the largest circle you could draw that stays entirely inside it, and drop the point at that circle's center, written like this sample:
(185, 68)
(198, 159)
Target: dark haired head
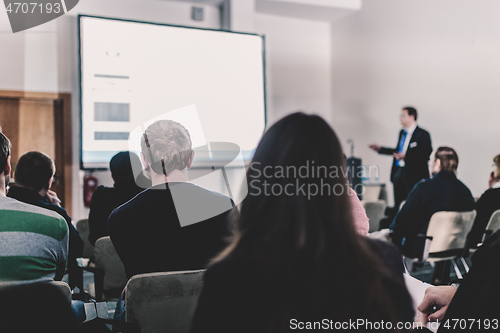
(34, 170)
(4, 151)
(448, 158)
(411, 111)
(121, 166)
(308, 236)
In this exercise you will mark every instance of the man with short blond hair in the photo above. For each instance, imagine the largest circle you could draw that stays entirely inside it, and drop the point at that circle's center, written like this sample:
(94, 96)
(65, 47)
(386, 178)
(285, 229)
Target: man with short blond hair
(166, 146)
(174, 225)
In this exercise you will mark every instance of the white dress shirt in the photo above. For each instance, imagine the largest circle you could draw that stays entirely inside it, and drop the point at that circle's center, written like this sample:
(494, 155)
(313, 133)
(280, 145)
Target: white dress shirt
(409, 133)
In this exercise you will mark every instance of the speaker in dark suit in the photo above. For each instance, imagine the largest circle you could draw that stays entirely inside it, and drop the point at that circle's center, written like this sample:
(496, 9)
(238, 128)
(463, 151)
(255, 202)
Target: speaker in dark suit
(411, 156)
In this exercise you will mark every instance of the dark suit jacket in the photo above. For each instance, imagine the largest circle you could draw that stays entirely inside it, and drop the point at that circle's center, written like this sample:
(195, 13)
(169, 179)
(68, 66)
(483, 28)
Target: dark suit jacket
(478, 294)
(443, 192)
(147, 234)
(417, 156)
(104, 201)
(485, 206)
(244, 296)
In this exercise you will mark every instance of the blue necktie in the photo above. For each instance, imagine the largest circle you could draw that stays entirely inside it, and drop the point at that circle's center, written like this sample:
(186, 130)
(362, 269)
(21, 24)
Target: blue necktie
(401, 145)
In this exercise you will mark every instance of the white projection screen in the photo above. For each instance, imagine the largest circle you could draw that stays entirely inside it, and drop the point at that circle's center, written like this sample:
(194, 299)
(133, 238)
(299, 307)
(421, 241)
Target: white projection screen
(132, 73)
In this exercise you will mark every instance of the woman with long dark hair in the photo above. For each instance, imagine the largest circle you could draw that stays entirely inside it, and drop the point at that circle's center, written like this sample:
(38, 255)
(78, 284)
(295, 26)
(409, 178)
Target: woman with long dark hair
(296, 260)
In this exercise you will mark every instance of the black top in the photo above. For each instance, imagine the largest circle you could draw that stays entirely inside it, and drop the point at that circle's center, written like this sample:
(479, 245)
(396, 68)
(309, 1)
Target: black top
(104, 201)
(443, 192)
(147, 233)
(417, 156)
(32, 197)
(478, 294)
(485, 207)
(243, 296)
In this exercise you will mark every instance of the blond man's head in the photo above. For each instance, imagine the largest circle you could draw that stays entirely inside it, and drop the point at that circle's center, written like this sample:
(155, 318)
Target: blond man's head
(166, 146)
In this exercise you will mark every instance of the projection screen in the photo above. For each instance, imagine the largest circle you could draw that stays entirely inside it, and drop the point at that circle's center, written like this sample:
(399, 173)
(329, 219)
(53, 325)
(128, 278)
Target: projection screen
(132, 73)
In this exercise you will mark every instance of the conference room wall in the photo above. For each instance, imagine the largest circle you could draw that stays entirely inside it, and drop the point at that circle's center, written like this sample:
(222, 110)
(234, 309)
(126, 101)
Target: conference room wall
(298, 61)
(297, 72)
(441, 57)
(45, 58)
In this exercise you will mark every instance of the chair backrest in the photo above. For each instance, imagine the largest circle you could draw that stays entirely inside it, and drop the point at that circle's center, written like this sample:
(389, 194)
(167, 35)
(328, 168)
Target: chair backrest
(82, 227)
(494, 223)
(51, 313)
(449, 231)
(108, 260)
(372, 193)
(163, 302)
(375, 210)
(63, 288)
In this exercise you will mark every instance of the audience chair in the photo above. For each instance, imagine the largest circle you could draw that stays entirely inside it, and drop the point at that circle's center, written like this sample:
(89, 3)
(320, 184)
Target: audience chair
(163, 302)
(87, 260)
(446, 236)
(82, 227)
(109, 272)
(36, 307)
(375, 210)
(372, 193)
(493, 224)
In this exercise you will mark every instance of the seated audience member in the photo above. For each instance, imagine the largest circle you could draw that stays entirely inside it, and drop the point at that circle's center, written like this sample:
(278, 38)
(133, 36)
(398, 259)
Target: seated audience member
(485, 207)
(106, 199)
(33, 241)
(33, 179)
(147, 231)
(442, 192)
(296, 258)
(476, 299)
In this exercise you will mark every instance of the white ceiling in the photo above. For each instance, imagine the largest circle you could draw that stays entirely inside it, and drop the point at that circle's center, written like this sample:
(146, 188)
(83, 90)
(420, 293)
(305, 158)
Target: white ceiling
(316, 10)
(203, 2)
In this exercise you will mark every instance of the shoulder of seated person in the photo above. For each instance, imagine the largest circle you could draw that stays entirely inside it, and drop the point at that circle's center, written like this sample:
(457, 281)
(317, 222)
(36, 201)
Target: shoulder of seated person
(491, 192)
(425, 182)
(228, 266)
(103, 188)
(376, 244)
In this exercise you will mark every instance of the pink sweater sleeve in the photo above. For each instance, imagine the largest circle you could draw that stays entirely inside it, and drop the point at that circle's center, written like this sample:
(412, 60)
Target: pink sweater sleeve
(361, 221)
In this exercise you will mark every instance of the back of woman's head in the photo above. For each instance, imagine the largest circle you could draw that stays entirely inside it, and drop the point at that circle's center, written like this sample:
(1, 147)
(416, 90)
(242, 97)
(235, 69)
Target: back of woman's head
(298, 191)
(297, 219)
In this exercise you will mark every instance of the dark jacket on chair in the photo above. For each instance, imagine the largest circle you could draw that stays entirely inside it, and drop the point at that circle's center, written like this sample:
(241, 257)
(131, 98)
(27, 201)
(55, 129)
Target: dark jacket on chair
(147, 233)
(443, 192)
(417, 156)
(104, 201)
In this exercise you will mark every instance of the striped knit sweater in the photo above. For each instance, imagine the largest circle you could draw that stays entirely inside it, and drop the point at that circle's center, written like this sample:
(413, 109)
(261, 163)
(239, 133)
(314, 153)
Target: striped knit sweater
(33, 243)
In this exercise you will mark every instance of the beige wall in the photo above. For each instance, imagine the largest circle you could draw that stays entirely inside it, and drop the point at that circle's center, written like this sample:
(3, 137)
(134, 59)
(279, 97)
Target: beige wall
(298, 61)
(441, 57)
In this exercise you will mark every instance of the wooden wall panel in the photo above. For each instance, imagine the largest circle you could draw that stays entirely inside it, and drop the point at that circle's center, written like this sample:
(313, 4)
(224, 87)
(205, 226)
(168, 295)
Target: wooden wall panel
(9, 121)
(36, 123)
(41, 121)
